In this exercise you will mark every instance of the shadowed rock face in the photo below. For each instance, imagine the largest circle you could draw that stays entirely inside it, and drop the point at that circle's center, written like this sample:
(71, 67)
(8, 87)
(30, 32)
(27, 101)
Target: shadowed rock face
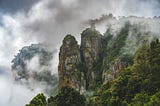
(90, 52)
(90, 46)
(69, 56)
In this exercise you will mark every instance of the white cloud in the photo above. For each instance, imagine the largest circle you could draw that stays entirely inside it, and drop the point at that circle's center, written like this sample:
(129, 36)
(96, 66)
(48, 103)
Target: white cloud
(13, 94)
(49, 21)
(12, 38)
(33, 64)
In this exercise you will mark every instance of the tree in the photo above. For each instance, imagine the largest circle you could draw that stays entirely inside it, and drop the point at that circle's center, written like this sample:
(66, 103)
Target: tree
(67, 97)
(137, 85)
(39, 100)
(154, 100)
(140, 99)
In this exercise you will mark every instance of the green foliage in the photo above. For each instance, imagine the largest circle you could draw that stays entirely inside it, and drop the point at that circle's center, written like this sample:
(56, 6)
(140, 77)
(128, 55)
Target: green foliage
(90, 32)
(107, 37)
(112, 46)
(140, 99)
(67, 97)
(69, 37)
(138, 85)
(127, 58)
(27, 53)
(51, 80)
(39, 100)
(154, 100)
(70, 40)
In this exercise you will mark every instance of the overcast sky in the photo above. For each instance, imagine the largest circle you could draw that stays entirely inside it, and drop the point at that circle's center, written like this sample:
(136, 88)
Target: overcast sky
(23, 22)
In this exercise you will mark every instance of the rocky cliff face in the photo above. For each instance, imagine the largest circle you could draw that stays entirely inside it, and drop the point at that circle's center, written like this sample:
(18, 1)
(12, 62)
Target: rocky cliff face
(76, 65)
(69, 57)
(114, 69)
(98, 59)
(86, 66)
(90, 52)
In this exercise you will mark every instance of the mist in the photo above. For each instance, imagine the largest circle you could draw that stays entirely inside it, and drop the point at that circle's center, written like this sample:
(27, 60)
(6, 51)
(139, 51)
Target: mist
(14, 94)
(47, 22)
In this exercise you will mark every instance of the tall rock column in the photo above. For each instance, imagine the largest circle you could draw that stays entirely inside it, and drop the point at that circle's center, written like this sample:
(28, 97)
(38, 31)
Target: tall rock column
(69, 57)
(90, 53)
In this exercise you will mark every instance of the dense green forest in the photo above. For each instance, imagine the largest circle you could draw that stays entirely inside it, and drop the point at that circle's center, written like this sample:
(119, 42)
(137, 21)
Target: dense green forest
(137, 85)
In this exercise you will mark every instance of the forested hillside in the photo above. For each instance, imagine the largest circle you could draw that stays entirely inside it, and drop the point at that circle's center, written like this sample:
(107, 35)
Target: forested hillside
(119, 69)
